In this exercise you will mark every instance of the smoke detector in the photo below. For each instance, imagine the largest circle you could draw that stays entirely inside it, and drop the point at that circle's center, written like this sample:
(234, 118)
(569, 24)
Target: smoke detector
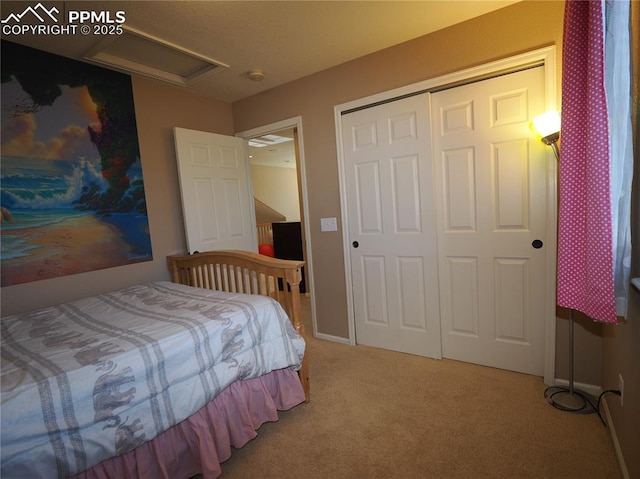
(256, 75)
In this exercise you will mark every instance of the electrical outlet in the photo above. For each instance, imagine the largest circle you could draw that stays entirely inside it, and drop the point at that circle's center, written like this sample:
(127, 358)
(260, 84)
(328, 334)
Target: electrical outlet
(621, 388)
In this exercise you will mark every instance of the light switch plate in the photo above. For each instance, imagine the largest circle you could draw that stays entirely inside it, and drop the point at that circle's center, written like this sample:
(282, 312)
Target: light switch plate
(328, 224)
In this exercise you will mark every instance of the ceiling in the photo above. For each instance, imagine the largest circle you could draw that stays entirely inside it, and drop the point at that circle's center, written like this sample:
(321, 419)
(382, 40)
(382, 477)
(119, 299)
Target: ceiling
(287, 40)
(275, 150)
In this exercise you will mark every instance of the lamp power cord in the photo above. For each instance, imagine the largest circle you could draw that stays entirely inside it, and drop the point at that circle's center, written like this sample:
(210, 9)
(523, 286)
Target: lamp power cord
(588, 405)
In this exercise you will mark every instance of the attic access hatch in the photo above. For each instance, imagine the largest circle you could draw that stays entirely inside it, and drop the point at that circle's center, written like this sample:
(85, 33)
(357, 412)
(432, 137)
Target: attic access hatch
(137, 52)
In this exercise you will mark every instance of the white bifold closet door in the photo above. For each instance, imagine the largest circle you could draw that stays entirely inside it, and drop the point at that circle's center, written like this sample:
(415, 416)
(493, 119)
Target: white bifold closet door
(387, 157)
(447, 203)
(492, 218)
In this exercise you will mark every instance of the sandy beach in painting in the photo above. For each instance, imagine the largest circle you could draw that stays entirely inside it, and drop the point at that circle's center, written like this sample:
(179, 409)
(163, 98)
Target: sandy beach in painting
(75, 245)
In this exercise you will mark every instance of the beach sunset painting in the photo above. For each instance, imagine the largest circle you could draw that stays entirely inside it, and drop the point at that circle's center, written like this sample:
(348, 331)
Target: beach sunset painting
(72, 192)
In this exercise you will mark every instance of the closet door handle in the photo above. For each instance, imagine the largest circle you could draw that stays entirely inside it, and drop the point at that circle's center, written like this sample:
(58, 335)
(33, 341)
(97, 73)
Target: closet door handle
(355, 244)
(537, 244)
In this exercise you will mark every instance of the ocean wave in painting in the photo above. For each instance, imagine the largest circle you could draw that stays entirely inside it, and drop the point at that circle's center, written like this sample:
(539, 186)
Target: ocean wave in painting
(31, 183)
(41, 193)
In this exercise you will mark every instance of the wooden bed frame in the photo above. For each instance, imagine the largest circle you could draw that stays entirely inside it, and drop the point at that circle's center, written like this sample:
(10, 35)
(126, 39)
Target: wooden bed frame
(248, 273)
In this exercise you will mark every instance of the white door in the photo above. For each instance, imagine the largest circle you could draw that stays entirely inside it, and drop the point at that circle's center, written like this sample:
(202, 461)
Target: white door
(492, 202)
(216, 191)
(392, 226)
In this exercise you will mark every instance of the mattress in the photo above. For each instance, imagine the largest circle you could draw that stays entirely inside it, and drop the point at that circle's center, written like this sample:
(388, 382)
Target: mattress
(95, 378)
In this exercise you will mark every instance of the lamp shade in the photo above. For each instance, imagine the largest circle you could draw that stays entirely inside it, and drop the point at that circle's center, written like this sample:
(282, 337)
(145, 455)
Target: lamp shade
(547, 124)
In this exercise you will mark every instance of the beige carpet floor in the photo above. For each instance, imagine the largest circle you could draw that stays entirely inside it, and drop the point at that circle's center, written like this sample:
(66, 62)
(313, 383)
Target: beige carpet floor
(381, 414)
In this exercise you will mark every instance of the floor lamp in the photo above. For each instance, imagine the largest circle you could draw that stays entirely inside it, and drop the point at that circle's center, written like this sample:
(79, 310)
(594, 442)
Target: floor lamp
(547, 126)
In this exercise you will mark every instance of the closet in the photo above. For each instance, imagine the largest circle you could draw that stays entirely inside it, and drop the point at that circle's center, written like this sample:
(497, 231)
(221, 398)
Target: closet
(446, 192)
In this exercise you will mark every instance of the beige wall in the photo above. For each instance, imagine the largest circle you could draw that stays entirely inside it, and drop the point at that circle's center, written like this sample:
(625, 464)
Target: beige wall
(278, 188)
(622, 356)
(516, 29)
(622, 341)
(158, 109)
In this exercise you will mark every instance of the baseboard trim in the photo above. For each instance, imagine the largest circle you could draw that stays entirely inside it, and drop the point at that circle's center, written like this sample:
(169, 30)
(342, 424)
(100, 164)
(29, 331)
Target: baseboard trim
(591, 389)
(333, 339)
(614, 437)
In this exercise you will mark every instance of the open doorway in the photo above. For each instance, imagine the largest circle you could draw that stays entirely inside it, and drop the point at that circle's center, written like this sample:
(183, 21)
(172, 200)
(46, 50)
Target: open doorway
(276, 195)
(273, 165)
(278, 181)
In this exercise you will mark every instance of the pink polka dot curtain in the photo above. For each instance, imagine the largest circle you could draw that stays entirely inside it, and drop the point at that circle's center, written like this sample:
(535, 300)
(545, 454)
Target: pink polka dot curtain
(585, 232)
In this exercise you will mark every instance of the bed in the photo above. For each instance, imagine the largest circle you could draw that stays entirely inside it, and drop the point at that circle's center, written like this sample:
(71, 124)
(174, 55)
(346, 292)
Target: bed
(157, 380)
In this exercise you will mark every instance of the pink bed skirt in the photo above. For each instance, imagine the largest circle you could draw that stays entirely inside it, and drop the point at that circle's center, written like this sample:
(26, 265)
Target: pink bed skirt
(201, 442)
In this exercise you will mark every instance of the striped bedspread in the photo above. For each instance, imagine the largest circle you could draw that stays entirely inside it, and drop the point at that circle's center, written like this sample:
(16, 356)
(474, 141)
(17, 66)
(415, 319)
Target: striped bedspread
(93, 378)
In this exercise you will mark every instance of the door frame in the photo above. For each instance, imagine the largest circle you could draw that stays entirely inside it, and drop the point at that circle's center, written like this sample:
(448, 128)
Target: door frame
(545, 57)
(295, 122)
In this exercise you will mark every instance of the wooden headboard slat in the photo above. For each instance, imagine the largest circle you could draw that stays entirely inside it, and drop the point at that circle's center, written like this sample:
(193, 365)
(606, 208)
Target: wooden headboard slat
(249, 273)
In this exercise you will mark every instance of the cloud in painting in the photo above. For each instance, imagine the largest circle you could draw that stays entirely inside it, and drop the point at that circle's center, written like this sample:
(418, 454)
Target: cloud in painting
(66, 145)
(38, 134)
(19, 140)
